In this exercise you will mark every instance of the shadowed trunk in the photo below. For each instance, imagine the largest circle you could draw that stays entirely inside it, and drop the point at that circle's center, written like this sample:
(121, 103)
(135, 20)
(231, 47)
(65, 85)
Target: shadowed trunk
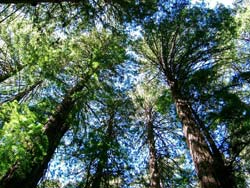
(54, 129)
(153, 166)
(99, 173)
(98, 177)
(224, 172)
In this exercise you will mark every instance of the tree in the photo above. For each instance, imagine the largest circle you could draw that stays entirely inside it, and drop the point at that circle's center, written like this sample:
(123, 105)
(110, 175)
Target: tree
(147, 105)
(57, 124)
(95, 143)
(103, 152)
(183, 41)
(25, 54)
(159, 133)
(61, 97)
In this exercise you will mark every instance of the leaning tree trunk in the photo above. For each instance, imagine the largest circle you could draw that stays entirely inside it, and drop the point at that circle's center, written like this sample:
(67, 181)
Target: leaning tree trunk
(211, 170)
(54, 129)
(153, 166)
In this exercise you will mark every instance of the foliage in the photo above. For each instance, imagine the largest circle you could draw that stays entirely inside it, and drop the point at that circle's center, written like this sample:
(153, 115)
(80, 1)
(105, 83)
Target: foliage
(50, 184)
(22, 138)
(200, 53)
(151, 96)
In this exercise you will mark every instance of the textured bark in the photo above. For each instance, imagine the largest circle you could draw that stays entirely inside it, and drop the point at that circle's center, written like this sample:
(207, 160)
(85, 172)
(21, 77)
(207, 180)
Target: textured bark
(208, 160)
(210, 167)
(54, 129)
(199, 150)
(153, 165)
(224, 172)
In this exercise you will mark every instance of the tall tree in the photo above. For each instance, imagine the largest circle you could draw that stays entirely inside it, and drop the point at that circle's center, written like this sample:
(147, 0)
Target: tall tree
(146, 105)
(159, 132)
(183, 40)
(56, 58)
(96, 141)
(57, 124)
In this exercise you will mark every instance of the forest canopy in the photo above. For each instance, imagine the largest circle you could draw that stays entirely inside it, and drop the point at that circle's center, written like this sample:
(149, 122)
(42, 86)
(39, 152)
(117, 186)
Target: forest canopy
(125, 94)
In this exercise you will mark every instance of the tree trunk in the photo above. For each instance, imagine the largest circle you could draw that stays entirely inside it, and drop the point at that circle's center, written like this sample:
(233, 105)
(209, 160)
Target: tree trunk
(153, 166)
(98, 175)
(54, 129)
(223, 171)
(211, 170)
(103, 158)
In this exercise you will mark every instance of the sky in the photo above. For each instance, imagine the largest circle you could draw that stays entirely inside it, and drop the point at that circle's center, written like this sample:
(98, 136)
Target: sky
(212, 3)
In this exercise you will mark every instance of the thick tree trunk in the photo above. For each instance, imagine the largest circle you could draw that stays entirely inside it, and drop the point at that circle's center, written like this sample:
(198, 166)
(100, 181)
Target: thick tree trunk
(54, 129)
(210, 168)
(224, 172)
(153, 165)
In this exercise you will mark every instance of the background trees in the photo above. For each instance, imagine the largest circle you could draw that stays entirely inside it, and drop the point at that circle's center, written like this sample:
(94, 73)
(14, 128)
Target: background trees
(159, 133)
(69, 91)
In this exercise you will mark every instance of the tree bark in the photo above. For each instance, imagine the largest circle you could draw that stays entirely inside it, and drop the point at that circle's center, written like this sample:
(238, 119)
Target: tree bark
(153, 165)
(210, 168)
(224, 172)
(54, 129)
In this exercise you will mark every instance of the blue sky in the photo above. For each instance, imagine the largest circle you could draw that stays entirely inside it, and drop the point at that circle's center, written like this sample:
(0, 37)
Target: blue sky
(212, 3)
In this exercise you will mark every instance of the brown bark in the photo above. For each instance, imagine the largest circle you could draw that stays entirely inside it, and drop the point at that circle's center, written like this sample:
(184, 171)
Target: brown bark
(198, 147)
(153, 165)
(54, 129)
(210, 168)
(208, 160)
(224, 172)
